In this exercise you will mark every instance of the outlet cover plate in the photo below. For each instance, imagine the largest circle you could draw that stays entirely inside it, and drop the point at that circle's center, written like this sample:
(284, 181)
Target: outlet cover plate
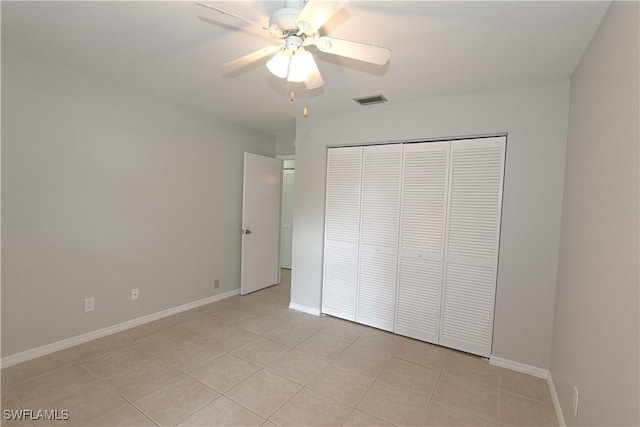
(89, 304)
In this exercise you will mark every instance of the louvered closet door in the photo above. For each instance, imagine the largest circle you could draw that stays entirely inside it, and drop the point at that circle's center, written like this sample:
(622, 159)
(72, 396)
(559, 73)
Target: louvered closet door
(421, 252)
(379, 235)
(471, 256)
(342, 229)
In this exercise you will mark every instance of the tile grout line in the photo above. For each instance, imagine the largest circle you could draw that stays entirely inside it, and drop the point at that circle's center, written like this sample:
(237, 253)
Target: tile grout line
(261, 368)
(550, 405)
(224, 393)
(65, 365)
(304, 386)
(498, 389)
(371, 386)
(103, 381)
(158, 357)
(435, 389)
(78, 388)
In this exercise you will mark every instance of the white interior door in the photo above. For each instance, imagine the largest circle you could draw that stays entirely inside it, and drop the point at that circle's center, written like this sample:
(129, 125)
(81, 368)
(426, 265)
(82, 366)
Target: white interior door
(422, 225)
(288, 196)
(473, 235)
(262, 189)
(381, 179)
(342, 230)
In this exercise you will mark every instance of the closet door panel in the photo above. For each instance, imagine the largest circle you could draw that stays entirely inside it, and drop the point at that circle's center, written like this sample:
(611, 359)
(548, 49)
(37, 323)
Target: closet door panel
(471, 256)
(381, 180)
(340, 278)
(377, 287)
(381, 195)
(424, 196)
(421, 254)
(342, 228)
(344, 168)
(418, 301)
(468, 307)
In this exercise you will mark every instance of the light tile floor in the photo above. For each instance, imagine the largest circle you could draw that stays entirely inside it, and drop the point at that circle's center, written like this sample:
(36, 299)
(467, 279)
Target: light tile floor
(249, 360)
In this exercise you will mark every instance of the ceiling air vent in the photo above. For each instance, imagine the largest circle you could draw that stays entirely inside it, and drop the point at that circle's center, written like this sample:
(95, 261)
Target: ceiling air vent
(368, 100)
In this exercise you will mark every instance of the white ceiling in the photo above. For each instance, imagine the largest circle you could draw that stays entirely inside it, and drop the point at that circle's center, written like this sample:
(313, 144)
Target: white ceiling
(174, 50)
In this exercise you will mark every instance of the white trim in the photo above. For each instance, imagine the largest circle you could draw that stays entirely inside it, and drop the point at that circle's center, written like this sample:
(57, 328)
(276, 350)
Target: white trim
(519, 367)
(556, 401)
(536, 372)
(304, 309)
(24, 356)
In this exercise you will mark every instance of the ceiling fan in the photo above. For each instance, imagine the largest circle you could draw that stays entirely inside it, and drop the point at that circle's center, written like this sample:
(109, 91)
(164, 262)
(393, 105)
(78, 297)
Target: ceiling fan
(296, 25)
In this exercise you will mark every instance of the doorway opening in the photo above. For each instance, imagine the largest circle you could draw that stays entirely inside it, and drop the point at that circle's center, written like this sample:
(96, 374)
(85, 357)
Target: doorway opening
(286, 223)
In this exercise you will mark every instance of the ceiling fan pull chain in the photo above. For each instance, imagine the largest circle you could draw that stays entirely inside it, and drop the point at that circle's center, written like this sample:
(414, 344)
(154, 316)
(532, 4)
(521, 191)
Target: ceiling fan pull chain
(305, 110)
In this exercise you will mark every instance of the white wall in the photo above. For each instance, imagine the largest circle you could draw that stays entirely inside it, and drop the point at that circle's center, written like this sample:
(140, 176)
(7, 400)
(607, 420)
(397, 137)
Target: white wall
(595, 339)
(104, 190)
(536, 121)
(284, 142)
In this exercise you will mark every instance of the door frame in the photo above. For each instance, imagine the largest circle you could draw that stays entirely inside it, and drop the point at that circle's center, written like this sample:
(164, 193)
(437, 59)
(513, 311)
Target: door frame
(284, 157)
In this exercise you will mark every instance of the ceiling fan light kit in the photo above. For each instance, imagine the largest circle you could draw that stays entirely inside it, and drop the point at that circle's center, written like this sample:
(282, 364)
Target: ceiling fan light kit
(301, 66)
(297, 25)
(279, 64)
(293, 62)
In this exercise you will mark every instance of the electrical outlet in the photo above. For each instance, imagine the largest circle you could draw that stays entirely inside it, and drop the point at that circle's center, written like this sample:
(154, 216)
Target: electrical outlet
(134, 294)
(216, 284)
(89, 304)
(576, 401)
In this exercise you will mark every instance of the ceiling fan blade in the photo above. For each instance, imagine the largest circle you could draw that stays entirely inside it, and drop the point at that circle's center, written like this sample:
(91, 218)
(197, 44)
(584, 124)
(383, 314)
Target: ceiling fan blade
(241, 18)
(250, 57)
(314, 80)
(355, 50)
(316, 13)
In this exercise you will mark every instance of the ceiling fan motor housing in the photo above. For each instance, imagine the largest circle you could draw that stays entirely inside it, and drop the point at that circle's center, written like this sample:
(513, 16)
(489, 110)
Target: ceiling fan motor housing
(284, 20)
(295, 4)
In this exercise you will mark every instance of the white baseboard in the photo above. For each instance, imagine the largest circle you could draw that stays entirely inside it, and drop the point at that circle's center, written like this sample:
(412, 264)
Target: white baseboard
(556, 401)
(536, 372)
(304, 309)
(519, 367)
(24, 356)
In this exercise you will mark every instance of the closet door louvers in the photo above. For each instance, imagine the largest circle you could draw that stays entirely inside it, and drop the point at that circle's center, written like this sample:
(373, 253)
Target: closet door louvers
(471, 255)
(421, 247)
(381, 177)
(342, 230)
